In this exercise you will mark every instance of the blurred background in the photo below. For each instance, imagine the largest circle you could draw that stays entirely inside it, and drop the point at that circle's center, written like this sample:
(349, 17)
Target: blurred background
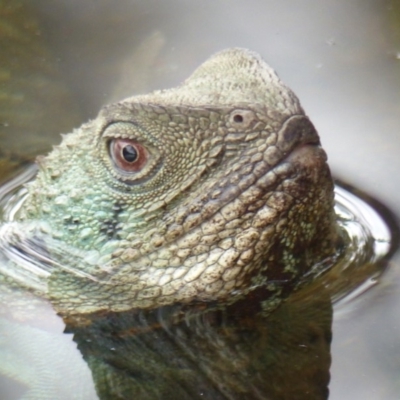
(60, 61)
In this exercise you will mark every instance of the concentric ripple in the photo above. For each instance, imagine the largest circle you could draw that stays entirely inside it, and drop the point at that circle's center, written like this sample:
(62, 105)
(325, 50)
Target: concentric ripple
(371, 241)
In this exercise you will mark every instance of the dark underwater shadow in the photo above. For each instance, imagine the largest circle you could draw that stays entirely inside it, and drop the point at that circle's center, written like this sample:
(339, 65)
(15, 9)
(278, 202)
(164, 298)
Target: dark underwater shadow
(234, 353)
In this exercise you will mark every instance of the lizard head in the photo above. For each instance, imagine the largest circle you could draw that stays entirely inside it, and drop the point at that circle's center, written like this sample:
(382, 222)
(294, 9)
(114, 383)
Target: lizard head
(197, 193)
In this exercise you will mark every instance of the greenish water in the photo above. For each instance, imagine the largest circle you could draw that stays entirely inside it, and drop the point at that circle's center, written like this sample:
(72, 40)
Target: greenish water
(340, 58)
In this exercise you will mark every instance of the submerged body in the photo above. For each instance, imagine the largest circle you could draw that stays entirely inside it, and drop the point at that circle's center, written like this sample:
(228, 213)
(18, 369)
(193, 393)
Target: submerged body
(166, 230)
(206, 192)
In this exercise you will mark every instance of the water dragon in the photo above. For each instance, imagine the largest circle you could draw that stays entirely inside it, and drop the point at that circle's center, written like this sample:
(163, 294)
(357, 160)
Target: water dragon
(211, 193)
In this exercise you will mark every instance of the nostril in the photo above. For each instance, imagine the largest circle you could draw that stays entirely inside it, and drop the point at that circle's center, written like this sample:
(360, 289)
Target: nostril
(238, 118)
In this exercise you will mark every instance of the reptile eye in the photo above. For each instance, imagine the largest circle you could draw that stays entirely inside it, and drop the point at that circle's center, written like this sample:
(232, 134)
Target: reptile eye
(238, 118)
(128, 155)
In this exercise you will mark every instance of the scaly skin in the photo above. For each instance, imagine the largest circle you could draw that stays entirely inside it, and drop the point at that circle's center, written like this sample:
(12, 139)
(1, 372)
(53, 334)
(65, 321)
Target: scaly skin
(235, 195)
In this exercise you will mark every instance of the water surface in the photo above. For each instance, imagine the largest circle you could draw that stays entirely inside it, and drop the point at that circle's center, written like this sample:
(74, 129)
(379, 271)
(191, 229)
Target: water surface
(340, 58)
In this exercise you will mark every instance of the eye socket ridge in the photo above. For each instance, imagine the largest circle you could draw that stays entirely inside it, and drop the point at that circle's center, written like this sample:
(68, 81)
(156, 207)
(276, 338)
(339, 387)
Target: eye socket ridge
(128, 155)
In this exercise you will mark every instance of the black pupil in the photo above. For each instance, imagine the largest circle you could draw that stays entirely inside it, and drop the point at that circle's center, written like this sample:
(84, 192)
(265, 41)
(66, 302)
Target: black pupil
(129, 153)
(238, 118)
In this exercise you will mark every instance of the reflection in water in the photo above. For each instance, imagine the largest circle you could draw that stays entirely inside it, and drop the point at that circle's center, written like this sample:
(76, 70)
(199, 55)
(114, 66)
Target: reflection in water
(38, 360)
(174, 352)
(235, 353)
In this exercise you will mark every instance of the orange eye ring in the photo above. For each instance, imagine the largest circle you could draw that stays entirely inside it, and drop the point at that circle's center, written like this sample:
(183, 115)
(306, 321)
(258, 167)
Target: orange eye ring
(128, 155)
